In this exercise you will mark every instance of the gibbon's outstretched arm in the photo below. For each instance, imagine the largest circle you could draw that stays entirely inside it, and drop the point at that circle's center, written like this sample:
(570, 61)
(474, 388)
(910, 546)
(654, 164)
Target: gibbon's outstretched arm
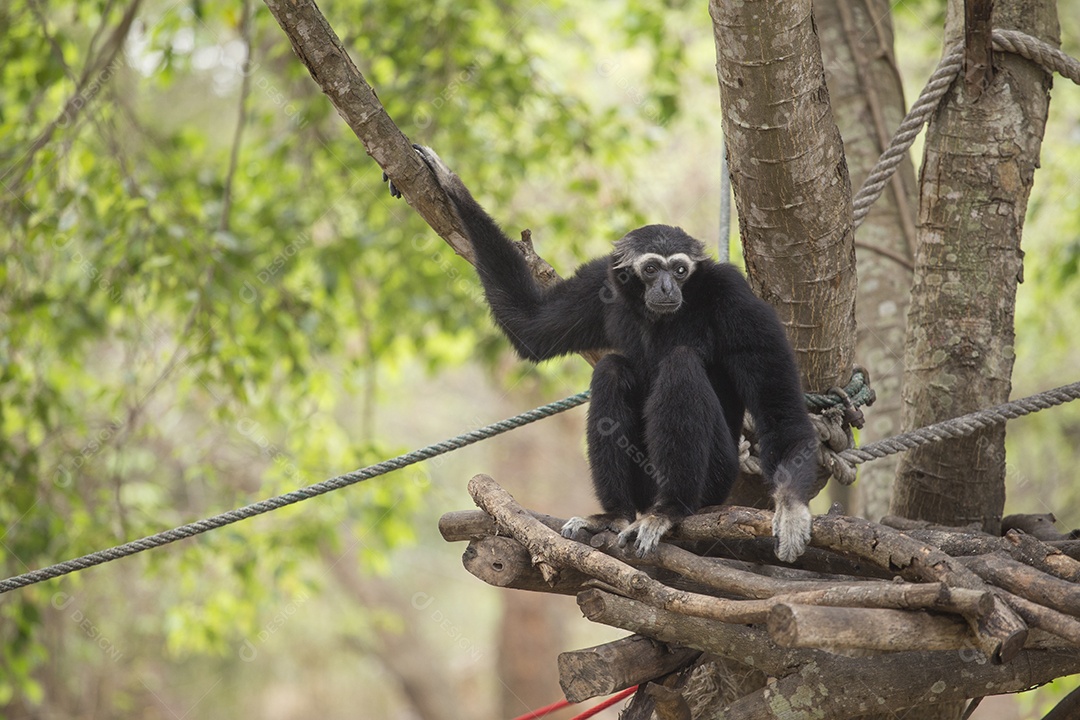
(758, 358)
(565, 318)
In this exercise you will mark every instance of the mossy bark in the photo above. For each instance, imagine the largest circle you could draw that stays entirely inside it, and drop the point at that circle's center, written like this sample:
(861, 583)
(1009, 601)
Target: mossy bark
(978, 168)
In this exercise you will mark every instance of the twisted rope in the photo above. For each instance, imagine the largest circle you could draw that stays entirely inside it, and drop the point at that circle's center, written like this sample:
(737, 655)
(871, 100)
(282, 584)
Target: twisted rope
(857, 393)
(964, 425)
(909, 129)
(1038, 51)
(265, 506)
(954, 428)
(1005, 40)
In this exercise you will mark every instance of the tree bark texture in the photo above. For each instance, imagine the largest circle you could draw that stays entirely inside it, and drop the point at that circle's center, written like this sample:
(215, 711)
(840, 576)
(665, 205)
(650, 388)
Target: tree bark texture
(790, 179)
(813, 684)
(868, 104)
(978, 167)
(611, 667)
(976, 607)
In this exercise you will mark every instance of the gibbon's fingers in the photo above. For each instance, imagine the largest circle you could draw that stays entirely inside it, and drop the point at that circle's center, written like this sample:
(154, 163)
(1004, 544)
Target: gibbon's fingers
(433, 161)
(594, 524)
(394, 192)
(648, 531)
(571, 526)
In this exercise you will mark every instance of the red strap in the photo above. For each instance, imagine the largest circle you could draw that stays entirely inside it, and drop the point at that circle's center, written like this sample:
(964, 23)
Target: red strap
(607, 703)
(544, 711)
(548, 709)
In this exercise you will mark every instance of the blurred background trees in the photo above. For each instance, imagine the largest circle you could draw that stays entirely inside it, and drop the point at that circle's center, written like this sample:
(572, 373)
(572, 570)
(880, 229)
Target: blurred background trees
(208, 297)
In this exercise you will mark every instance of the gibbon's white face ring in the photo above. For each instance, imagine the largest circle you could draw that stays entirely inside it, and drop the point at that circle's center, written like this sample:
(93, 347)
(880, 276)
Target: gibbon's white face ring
(665, 263)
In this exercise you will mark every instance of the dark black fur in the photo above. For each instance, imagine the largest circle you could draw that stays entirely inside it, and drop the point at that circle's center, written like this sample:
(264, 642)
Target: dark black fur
(667, 405)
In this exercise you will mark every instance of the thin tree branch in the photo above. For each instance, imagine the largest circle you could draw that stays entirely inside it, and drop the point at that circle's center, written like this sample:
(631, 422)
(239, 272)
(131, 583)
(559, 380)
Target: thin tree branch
(241, 115)
(885, 252)
(321, 51)
(93, 70)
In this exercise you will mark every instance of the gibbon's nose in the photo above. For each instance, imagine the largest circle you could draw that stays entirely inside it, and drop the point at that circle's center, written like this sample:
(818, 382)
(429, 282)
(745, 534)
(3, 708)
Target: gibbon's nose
(667, 285)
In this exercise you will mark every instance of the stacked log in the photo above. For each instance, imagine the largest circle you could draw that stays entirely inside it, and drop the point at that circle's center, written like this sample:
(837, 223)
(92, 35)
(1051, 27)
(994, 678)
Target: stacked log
(979, 614)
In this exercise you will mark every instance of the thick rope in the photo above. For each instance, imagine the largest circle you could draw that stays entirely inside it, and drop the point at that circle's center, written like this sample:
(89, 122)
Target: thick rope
(1005, 40)
(857, 393)
(954, 428)
(265, 506)
(1038, 51)
(905, 135)
(964, 425)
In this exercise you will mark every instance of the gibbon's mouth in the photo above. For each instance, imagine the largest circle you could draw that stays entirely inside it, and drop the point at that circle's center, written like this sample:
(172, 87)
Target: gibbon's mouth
(663, 308)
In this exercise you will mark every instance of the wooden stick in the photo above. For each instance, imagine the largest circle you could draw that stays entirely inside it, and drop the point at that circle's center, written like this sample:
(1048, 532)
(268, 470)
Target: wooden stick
(547, 547)
(1001, 633)
(462, 525)
(1037, 616)
(834, 686)
(1027, 582)
(746, 644)
(606, 669)
(809, 626)
(504, 562)
(1020, 546)
(871, 593)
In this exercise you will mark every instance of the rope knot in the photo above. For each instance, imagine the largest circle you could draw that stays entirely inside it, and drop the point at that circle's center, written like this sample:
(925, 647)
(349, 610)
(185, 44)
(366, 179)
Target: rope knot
(856, 394)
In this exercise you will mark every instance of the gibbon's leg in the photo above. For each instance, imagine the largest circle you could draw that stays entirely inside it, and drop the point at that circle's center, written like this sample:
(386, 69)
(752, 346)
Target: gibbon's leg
(723, 466)
(683, 419)
(617, 456)
(792, 481)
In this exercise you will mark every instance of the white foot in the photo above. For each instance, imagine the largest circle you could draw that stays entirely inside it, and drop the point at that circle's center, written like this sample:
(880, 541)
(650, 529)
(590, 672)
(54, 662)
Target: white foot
(791, 526)
(571, 526)
(648, 530)
(594, 524)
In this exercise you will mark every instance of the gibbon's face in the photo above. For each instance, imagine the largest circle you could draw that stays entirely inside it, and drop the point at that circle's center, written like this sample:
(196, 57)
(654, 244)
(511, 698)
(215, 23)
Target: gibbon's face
(663, 258)
(663, 277)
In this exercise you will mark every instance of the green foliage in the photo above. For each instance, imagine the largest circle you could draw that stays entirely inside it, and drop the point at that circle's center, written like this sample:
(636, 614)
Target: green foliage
(167, 353)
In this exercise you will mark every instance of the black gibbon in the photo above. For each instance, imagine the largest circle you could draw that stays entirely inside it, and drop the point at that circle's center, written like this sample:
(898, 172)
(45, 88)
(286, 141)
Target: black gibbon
(692, 348)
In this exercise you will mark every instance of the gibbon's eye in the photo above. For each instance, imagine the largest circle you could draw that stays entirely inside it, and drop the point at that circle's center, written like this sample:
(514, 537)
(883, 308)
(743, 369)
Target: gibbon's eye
(681, 271)
(650, 269)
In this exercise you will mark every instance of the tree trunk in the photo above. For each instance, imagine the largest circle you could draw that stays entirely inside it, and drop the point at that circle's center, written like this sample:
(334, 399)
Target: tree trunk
(978, 168)
(424, 680)
(790, 179)
(793, 198)
(868, 104)
(977, 172)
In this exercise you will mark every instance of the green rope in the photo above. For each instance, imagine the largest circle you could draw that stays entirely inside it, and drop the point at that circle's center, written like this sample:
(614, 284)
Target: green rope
(858, 392)
(306, 493)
